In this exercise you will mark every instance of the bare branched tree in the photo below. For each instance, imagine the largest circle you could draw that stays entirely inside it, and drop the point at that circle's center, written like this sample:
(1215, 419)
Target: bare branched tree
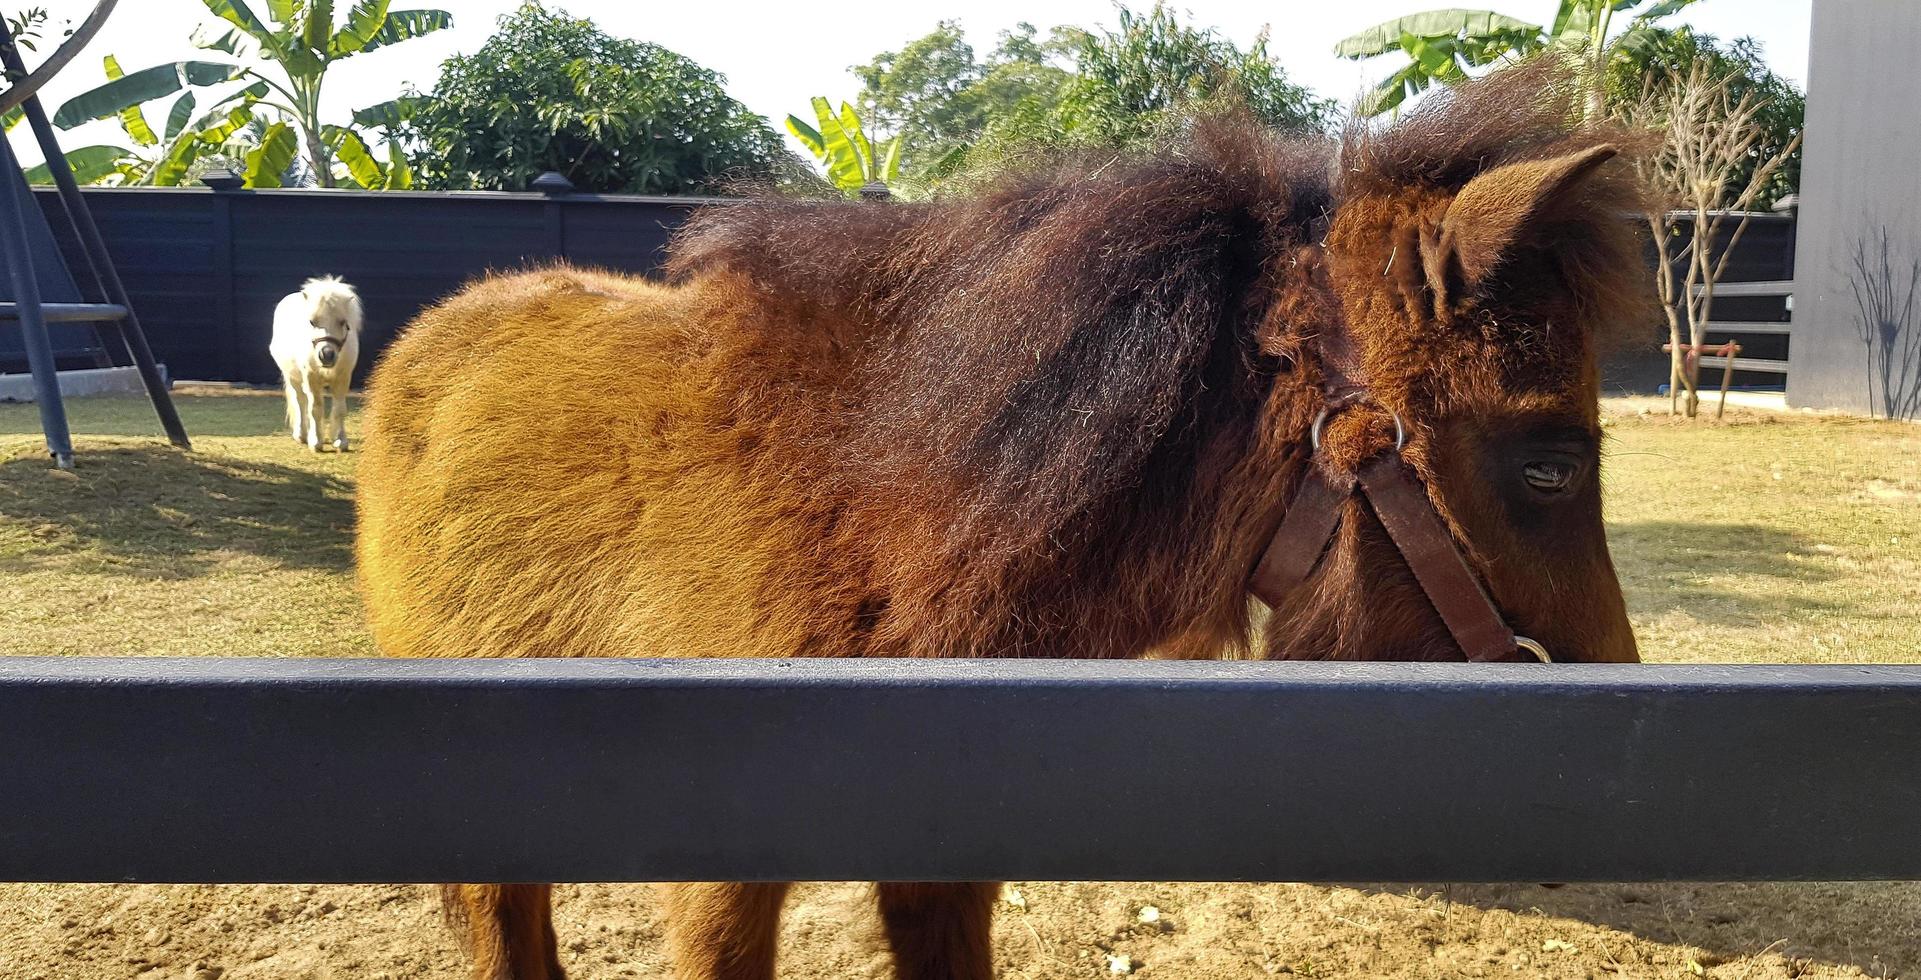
(1708, 133)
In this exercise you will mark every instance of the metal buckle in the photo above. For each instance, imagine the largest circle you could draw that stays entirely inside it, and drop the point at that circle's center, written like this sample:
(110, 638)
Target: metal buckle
(1533, 647)
(1327, 412)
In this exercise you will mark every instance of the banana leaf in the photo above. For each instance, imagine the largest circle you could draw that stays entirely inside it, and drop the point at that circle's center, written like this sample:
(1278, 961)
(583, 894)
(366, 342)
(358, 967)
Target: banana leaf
(144, 85)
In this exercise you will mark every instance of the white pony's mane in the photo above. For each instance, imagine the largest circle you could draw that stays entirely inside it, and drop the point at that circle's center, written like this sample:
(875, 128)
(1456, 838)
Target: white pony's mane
(329, 294)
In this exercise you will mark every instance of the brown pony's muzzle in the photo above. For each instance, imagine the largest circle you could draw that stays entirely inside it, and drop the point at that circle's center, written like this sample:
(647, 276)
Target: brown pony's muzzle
(1567, 596)
(1599, 632)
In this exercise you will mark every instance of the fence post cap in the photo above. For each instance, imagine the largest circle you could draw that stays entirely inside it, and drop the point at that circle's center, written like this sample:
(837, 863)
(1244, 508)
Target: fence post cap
(223, 179)
(551, 182)
(875, 191)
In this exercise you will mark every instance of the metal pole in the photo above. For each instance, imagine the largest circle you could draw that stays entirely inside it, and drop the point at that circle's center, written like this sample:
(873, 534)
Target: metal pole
(131, 335)
(10, 59)
(1727, 377)
(26, 294)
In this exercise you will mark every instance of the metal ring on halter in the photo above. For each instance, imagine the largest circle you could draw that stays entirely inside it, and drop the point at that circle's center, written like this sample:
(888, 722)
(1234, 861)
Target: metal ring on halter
(1533, 647)
(1327, 412)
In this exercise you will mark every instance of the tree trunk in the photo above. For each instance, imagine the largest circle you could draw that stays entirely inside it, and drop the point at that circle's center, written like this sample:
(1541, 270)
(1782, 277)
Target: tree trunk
(1675, 361)
(317, 158)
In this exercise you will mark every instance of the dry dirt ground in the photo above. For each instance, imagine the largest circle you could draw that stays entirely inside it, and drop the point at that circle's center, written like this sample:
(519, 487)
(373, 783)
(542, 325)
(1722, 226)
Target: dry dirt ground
(1800, 545)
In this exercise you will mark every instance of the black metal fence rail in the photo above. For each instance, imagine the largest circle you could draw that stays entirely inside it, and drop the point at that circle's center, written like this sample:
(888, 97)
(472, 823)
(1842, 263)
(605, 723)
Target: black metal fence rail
(169, 770)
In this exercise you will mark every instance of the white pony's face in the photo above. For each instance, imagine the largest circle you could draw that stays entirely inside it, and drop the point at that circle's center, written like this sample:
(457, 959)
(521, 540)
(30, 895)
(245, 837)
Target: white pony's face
(333, 316)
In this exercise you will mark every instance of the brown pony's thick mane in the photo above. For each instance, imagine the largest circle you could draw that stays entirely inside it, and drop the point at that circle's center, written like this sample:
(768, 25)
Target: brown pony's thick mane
(1035, 341)
(1022, 353)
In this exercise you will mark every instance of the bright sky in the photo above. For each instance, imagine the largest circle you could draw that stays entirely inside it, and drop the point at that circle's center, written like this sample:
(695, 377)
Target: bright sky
(776, 54)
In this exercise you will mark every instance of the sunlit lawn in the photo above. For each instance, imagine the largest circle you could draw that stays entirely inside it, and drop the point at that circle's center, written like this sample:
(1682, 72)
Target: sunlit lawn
(1764, 538)
(1769, 537)
(240, 548)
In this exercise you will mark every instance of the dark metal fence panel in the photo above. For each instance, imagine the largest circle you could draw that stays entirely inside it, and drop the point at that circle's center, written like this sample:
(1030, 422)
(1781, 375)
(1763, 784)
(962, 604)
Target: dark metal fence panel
(163, 245)
(614, 770)
(621, 233)
(1765, 253)
(205, 268)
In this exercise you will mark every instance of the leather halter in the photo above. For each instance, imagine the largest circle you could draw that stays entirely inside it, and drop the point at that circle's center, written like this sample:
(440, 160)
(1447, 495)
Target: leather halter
(1391, 486)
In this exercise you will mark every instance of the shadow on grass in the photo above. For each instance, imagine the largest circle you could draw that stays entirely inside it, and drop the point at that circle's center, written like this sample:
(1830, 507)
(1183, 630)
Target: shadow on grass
(1664, 567)
(1864, 924)
(158, 512)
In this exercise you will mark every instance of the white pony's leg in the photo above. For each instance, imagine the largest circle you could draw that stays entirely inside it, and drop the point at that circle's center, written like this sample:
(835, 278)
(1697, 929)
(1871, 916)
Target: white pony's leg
(311, 431)
(342, 378)
(300, 406)
(293, 405)
(323, 412)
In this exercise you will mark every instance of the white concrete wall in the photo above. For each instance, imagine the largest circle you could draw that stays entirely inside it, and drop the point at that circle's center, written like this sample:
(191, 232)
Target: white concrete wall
(78, 383)
(1857, 304)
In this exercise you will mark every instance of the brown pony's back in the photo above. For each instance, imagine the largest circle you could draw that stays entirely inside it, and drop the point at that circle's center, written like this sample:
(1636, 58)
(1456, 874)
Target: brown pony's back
(1014, 425)
(553, 469)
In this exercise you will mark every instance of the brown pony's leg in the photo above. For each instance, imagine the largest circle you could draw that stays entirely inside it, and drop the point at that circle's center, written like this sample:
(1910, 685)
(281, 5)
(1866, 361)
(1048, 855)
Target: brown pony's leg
(724, 930)
(508, 930)
(940, 931)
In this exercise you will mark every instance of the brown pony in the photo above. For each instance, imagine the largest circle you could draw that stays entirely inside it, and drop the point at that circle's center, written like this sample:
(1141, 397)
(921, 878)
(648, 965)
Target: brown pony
(1059, 417)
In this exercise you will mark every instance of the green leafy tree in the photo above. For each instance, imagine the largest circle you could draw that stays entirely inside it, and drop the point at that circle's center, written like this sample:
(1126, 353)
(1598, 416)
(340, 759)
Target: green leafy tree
(940, 98)
(1127, 86)
(1132, 84)
(1025, 74)
(284, 65)
(921, 90)
(1442, 45)
(552, 92)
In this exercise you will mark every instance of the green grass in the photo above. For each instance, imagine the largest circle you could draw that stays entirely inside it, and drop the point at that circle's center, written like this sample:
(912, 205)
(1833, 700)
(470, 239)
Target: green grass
(1787, 538)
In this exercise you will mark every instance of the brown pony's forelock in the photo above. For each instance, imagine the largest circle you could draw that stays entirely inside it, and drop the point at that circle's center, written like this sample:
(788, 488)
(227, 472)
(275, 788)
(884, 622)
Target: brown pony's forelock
(1533, 111)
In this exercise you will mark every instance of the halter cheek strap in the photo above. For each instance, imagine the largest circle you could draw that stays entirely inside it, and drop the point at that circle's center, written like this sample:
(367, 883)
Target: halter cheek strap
(1393, 489)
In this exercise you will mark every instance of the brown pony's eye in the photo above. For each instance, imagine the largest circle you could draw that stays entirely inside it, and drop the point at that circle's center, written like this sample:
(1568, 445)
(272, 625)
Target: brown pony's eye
(1548, 475)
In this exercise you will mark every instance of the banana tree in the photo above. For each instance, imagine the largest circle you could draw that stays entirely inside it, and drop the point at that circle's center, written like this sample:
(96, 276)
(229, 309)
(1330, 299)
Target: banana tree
(843, 147)
(1442, 45)
(396, 174)
(284, 65)
(160, 158)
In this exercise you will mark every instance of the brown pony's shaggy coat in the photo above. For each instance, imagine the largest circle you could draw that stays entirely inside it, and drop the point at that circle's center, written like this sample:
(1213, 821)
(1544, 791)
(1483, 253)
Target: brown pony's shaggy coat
(1057, 418)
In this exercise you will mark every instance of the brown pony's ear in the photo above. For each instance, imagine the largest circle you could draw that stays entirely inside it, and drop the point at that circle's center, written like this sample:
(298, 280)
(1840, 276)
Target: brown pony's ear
(1492, 213)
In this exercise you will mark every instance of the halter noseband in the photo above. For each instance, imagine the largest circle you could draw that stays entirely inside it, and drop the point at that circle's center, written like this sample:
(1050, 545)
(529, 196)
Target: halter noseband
(1394, 490)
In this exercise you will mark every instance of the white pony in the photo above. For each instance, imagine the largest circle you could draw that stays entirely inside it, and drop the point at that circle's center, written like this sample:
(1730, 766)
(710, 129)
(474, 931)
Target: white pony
(316, 340)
